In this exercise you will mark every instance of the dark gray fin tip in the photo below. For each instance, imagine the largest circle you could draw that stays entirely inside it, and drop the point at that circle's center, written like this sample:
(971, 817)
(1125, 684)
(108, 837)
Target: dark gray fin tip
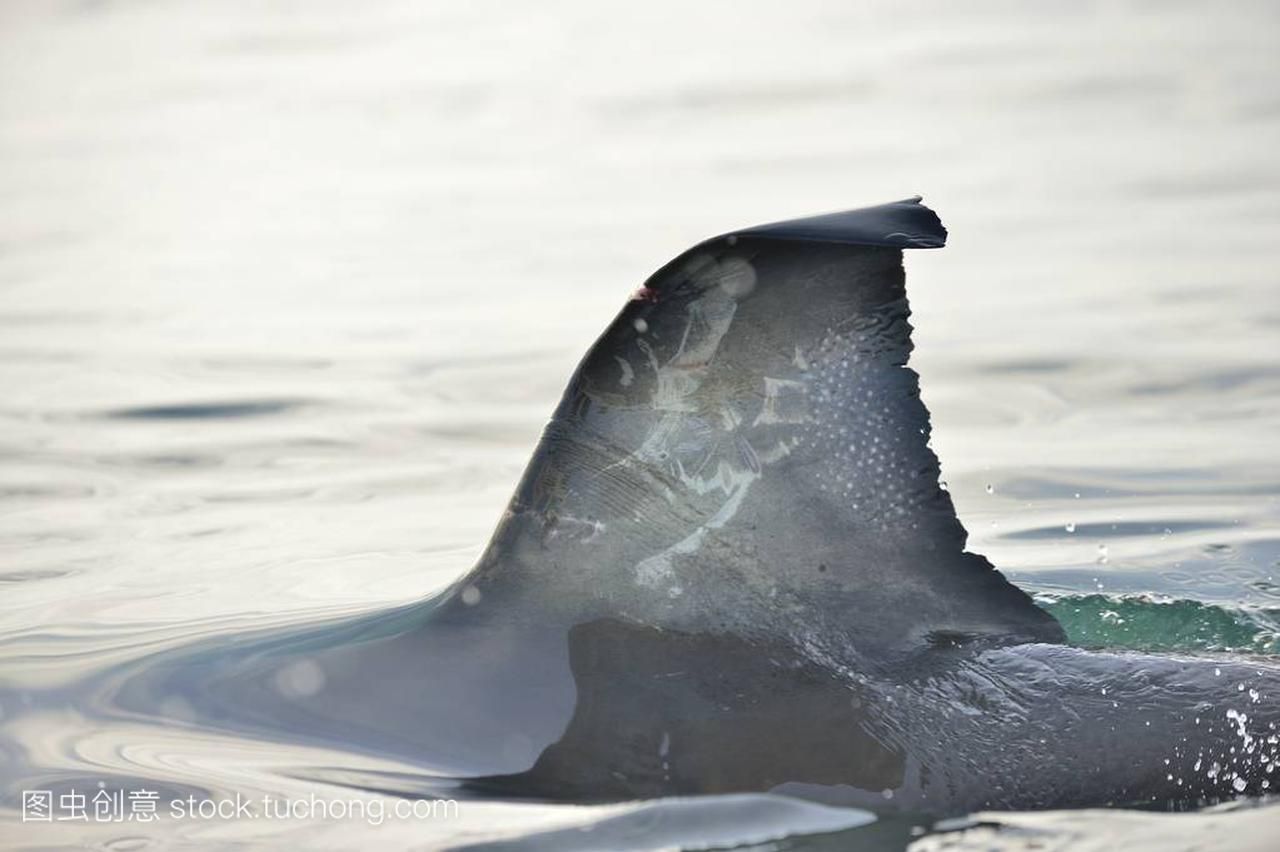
(898, 224)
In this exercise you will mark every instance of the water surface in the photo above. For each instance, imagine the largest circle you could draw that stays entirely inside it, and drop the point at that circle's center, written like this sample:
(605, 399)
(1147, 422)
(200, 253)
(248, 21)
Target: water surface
(287, 292)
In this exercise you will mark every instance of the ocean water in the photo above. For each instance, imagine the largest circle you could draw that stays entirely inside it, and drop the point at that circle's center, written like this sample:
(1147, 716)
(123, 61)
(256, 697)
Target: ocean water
(288, 290)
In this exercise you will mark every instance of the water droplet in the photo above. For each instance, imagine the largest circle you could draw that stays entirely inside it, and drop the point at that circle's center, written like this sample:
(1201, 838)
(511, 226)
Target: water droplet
(1070, 527)
(471, 596)
(1102, 554)
(640, 325)
(991, 489)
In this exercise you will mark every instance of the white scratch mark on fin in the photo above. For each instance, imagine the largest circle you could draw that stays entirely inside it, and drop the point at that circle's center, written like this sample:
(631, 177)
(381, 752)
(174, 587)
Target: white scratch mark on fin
(628, 374)
(678, 380)
(779, 451)
(657, 569)
(785, 401)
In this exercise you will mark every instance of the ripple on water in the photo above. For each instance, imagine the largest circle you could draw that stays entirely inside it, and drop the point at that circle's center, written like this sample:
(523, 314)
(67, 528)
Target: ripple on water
(223, 410)
(1119, 529)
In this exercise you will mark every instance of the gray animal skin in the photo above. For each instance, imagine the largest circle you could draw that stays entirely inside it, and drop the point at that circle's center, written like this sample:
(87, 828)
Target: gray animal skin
(730, 567)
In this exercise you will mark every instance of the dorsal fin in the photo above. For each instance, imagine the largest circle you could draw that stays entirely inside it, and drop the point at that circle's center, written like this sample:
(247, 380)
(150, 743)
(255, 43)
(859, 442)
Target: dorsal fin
(744, 449)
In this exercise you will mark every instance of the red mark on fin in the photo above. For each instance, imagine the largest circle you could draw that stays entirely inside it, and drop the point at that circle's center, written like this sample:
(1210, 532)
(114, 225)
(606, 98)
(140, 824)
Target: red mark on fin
(645, 294)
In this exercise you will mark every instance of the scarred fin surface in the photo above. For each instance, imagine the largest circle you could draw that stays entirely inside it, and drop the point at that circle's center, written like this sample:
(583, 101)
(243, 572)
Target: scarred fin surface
(744, 450)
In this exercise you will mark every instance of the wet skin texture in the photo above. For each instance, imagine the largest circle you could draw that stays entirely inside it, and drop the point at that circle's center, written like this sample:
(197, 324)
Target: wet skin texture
(729, 566)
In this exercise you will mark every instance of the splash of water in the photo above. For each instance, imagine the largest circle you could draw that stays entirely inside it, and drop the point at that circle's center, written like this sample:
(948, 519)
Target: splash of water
(1157, 623)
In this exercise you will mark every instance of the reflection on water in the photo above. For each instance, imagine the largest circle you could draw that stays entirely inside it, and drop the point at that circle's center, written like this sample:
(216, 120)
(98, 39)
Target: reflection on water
(285, 299)
(210, 410)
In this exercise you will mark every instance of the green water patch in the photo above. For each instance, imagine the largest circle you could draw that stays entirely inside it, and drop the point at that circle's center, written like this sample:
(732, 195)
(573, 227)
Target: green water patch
(1151, 623)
